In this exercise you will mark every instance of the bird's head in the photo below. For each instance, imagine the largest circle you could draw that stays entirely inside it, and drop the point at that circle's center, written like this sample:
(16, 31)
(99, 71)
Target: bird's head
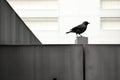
(86, 22)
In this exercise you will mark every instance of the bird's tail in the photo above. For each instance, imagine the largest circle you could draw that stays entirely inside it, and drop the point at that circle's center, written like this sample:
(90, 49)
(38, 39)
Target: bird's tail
(68, 32)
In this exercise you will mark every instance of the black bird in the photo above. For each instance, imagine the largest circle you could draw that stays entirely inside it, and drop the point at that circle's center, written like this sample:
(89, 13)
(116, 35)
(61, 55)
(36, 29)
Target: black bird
(79, 29)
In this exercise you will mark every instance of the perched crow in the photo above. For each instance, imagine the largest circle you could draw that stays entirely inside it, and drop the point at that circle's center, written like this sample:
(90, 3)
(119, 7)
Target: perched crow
(79, 29)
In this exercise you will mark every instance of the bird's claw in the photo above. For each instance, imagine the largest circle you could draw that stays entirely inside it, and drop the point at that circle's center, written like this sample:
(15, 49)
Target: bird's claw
(81, 36)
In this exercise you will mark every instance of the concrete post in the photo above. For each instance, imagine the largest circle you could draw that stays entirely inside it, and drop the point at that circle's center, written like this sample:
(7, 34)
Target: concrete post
(81, 40)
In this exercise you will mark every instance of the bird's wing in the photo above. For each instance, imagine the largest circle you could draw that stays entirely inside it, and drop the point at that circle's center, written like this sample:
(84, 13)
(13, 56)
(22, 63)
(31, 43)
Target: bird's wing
(81, 26)
(76, 28)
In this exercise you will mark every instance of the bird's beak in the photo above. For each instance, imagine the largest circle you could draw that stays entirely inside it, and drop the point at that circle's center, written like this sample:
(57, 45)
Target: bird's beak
(88, 23)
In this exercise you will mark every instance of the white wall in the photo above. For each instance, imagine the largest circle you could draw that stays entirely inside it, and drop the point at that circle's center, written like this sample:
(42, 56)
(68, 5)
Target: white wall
(72, 13)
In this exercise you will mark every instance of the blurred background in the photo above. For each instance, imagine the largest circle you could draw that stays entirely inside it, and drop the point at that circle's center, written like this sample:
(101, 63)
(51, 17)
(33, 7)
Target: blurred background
(49, 20)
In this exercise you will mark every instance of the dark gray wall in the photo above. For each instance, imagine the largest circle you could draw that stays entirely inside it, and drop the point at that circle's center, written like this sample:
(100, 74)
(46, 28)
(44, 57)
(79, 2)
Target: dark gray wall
(64, 62)
(12, 28)
(102, 62)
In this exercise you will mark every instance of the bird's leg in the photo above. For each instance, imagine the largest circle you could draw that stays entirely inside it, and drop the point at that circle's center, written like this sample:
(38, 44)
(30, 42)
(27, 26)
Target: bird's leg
(77, 35)
(81, 36)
